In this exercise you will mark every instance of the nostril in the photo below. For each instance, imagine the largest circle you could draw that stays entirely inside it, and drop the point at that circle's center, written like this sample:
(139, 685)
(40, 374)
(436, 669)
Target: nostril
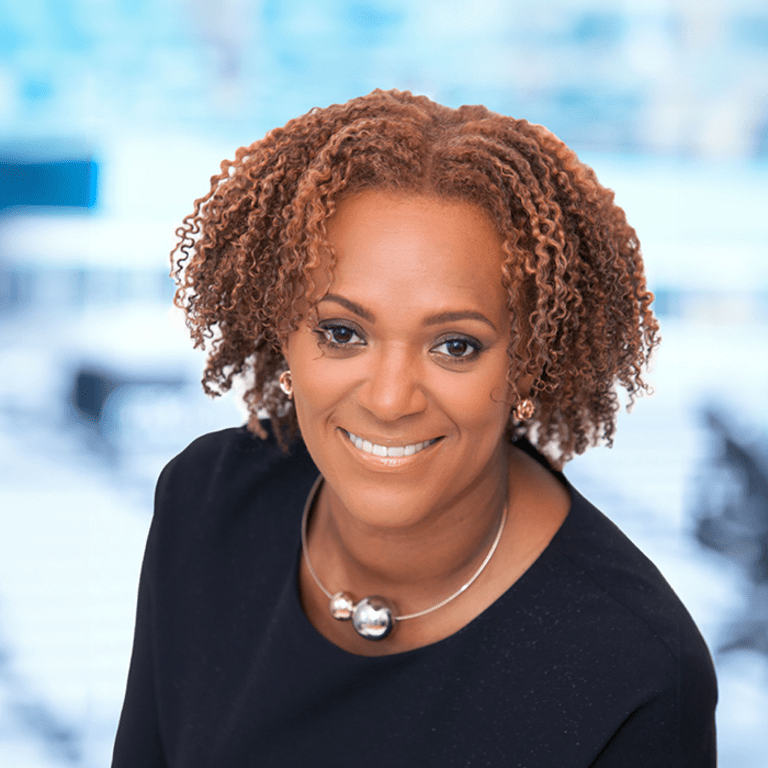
(393, 391)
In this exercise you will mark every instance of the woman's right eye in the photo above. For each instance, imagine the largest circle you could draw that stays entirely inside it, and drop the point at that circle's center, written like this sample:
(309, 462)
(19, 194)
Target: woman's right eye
(337, 335)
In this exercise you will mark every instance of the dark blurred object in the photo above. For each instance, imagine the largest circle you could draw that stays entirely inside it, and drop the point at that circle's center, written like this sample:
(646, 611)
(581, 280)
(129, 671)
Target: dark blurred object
(104, 400)
(733, 520)
(58, 183)
(90, 392)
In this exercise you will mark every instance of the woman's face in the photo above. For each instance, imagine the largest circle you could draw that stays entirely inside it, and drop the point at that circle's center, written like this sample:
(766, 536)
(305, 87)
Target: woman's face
(400, 386)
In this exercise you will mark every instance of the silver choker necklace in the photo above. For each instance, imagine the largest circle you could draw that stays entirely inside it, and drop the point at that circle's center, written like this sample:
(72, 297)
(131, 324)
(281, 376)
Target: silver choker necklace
(374, 617)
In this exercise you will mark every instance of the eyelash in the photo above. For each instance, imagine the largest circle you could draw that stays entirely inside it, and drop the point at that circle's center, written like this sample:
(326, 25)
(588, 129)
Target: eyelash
(473, 346)
(325, 334)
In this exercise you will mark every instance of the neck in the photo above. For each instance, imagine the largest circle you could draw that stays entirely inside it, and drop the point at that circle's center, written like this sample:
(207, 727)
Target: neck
(414, 566)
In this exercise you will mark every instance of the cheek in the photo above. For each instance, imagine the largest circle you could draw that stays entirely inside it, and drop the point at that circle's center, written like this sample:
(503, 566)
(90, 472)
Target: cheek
(319, 381)
(479, 402)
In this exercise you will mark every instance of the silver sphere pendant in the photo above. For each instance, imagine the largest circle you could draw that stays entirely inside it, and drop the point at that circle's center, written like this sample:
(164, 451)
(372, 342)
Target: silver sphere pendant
(341, 606)
(373, 618)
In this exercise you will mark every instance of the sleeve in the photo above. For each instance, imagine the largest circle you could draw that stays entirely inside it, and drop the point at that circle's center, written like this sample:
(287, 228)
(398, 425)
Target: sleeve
(139, 741)
(685, 712)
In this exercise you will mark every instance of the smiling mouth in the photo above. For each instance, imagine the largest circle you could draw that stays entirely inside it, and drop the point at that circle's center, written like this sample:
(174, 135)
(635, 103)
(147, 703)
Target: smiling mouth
(392, 451)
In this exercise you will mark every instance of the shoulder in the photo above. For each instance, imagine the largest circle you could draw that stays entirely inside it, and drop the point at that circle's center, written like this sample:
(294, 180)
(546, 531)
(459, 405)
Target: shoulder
(225, 448)
(610, 617)
(225, 476)
(639, 610)
(602, 573)
(593, 562)
(619, 572)
(230, 457)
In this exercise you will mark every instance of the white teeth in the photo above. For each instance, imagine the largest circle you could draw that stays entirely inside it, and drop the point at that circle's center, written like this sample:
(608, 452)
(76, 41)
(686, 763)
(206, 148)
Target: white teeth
(395, 451)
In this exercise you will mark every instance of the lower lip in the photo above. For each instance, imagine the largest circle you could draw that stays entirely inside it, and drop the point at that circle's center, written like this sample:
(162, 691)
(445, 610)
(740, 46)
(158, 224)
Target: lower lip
(389, 462)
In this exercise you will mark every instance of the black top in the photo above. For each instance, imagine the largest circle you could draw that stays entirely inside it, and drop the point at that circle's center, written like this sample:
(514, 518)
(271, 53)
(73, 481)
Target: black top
(588, 659)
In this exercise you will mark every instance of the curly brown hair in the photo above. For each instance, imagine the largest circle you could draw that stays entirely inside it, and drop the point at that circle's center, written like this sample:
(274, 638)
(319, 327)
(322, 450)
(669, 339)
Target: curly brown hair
(572, 264)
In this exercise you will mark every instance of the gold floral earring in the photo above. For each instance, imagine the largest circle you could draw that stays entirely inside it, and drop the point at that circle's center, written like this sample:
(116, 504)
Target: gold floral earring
(524, 409)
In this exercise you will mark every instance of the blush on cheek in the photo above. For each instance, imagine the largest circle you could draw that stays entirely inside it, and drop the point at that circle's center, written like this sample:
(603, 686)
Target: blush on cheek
(467, 401)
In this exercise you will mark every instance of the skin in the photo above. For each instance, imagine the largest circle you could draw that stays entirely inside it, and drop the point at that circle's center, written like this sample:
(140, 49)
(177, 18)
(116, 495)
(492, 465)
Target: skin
(410, 345)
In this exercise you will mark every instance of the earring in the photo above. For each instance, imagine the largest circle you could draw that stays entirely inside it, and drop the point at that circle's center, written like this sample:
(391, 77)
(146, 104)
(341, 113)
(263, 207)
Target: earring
(286, 384)
(524, 409)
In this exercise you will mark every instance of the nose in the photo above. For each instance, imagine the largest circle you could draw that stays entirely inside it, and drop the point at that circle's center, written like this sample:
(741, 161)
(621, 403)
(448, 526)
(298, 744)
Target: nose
(393, 387)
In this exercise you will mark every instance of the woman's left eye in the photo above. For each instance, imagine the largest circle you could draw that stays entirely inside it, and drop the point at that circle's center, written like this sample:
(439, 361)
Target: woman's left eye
(458, 348)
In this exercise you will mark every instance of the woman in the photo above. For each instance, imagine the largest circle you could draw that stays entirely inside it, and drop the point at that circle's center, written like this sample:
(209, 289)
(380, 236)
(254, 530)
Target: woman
(425, 303)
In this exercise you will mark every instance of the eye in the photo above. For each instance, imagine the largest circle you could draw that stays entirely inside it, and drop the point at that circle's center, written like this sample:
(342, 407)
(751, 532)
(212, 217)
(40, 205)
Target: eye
(339, 335)
(459, 348)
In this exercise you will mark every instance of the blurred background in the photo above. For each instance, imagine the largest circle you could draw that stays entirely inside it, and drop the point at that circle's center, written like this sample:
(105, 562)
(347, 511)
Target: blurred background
(113, 116)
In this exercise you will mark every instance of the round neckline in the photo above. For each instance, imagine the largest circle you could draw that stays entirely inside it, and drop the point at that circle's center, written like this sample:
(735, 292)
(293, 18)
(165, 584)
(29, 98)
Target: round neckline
(318, 644)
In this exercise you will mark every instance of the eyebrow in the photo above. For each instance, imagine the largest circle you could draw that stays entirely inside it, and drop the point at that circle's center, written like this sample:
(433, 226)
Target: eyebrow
(449, 317)
(442, 317)
(352, 306)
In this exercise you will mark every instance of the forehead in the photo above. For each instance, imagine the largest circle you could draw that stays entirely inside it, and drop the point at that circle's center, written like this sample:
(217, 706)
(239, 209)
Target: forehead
(420, 245)
(383, 205)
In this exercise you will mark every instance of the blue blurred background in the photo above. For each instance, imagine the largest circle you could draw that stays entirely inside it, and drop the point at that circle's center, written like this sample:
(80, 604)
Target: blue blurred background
(113, 116)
